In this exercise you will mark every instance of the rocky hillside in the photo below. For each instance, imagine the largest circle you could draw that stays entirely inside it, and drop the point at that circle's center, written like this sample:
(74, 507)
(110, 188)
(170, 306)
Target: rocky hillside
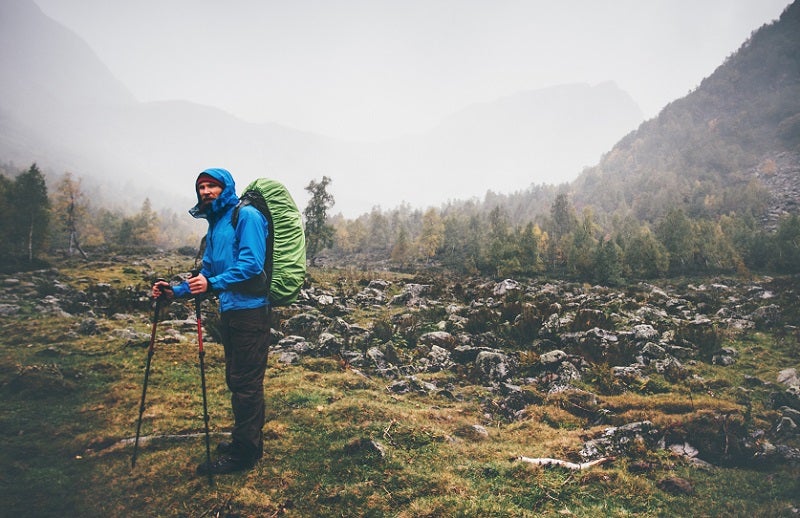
(711, 151)
(524, 340)
(658, 391)
(781, 177)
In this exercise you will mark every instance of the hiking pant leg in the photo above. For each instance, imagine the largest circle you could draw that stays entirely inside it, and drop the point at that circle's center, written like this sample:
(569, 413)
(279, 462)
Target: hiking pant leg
(246, 341)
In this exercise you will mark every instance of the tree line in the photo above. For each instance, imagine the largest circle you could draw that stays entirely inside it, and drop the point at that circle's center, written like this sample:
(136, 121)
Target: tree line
(466, 237)
(609, 249)
(36, 222)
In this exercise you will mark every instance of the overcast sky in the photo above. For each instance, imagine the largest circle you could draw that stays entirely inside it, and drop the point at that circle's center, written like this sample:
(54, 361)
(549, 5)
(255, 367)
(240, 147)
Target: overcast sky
(370, 69)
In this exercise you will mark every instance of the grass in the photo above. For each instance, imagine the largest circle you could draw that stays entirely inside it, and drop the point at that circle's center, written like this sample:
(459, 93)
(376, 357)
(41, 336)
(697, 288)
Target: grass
(338, 443)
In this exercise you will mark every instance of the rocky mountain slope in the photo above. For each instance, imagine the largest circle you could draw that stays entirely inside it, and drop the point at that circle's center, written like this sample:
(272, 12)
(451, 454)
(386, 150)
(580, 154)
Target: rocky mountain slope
(711, 150)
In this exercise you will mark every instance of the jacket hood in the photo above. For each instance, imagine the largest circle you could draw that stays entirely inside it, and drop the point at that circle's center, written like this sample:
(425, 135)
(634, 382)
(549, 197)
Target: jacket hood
(226, 198)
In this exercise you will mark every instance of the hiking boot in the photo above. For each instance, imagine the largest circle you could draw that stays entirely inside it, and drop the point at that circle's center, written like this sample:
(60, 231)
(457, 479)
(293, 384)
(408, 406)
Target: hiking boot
(225, 447)
(224, 464)
(232, 448)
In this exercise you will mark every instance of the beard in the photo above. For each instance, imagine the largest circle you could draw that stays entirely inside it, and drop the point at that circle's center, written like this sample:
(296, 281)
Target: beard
(205, 203)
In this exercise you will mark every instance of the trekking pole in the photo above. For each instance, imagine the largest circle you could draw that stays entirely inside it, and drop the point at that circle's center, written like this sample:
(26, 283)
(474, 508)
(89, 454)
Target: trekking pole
(150, 351)
(202, 353)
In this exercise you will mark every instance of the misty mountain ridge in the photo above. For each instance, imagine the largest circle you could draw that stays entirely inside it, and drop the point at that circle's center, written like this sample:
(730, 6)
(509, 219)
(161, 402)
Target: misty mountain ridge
(730, 146)
(62, 108)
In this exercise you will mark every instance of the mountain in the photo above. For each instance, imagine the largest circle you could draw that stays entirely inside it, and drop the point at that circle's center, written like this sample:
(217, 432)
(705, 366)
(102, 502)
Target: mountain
(540, 136)
(50, 76)
(62, 108)
(730, 146)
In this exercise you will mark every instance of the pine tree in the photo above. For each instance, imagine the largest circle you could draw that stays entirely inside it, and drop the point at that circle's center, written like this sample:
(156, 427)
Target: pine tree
(402, 248)
(319, 233)
(676, 234)
(608, 263)
(30, 212)
(6, 223)
(788, 245)
(645, 256)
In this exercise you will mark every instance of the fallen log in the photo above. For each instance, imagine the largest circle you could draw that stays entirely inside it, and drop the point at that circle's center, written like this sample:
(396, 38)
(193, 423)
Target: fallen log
(123, 443)
(548, 462)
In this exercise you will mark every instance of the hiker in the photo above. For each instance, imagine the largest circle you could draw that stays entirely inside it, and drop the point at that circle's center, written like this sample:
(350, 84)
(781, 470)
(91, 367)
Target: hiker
(232, 257)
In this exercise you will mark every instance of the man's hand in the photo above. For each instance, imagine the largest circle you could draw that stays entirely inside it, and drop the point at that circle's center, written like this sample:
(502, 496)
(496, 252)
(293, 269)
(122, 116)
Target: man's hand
(198, 284)
(162, 289)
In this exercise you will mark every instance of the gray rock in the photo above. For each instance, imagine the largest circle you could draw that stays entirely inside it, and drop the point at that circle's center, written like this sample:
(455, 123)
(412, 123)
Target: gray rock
(645, 332)
(441, 339)
(8, 310)
(766, 316)
(652, 350)
(505, 286)
(493, 366)
(788, 377)
(789, 398)
(786, 426)
(439, 357)
(552, 357)
(288, 357)
(379, 284)
(629, 372)
(620, 439)
(377, 358)
(473, 432)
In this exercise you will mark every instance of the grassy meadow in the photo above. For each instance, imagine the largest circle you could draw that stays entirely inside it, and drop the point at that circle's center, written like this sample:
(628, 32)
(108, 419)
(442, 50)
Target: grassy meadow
(338, 443)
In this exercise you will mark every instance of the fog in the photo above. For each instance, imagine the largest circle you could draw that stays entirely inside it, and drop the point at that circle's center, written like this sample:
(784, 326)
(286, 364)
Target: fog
(374, 69)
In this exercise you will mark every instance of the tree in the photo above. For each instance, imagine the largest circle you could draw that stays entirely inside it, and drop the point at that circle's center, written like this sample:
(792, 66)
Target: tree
(378, 232)
(71, 212)
(503, 251)
(141, 229)
(529, 241)
(30, 212)
(319, 233)
(432, 236)
(563, 220)
(788, 245)
(6, 223)
(607, 263)
(715, 251)
(402, 247)
(645, 256)
(563, 217)
(676, 234)
(581, 249)
(456, 250)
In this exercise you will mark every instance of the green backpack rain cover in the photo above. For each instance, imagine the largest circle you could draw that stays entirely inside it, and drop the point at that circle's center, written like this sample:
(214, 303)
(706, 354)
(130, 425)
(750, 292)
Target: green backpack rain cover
(285, 262)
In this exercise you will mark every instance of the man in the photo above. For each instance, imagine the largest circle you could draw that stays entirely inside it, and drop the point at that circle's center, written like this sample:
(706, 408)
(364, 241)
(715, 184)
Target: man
(233, 260)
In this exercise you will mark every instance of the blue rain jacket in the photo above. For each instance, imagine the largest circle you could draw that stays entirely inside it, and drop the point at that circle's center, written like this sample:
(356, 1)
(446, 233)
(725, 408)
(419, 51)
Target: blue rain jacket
(231, 255)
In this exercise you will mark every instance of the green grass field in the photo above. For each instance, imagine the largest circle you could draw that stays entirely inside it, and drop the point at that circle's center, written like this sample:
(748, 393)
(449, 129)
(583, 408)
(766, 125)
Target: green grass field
(338, 443)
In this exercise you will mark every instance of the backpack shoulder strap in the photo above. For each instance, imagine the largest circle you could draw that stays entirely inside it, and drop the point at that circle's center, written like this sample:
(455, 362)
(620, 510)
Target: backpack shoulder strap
(235, 215)
(250, 197)
(254, 198)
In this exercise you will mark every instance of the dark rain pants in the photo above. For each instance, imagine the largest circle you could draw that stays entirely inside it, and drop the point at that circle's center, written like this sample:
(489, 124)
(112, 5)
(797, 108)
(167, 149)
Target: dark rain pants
(245, 336)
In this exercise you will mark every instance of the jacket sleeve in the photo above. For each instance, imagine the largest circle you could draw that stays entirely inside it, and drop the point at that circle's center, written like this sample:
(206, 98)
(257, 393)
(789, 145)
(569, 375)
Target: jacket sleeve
(251, 236)
(181, 290)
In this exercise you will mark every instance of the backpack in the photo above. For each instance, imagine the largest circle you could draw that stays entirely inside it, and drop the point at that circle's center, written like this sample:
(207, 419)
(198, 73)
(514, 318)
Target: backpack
(285, 261)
